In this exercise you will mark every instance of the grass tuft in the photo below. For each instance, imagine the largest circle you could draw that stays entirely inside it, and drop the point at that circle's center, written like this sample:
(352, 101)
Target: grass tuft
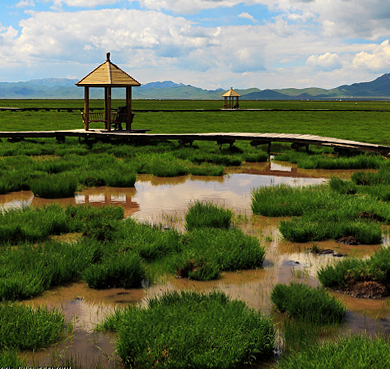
(313, 305)
(27, 328)
(352, 352)
(117, 271)
(187, 329)
(205, 214)
(54, 186)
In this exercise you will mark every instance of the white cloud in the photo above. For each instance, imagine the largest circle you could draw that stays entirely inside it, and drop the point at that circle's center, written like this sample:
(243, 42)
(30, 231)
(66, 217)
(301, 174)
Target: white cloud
(25, 4)
(83, 3)
(247, 16)
(7, 42)
(324, 62)
(377, 61)
(146, 38)
(289, 49)
(187, 6)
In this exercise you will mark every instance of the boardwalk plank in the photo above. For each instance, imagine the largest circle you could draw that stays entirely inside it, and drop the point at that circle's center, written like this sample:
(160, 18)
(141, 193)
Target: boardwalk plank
(216, 136)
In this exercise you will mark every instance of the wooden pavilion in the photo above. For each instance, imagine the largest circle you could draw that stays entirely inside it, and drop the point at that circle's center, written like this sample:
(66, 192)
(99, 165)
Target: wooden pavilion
(109, 76)
(231, 99)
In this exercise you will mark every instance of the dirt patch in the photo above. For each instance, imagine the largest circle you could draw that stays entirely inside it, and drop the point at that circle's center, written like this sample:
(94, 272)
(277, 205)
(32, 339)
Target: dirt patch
(371, 216)
(318, 251)
(348, 240)
(368, 290)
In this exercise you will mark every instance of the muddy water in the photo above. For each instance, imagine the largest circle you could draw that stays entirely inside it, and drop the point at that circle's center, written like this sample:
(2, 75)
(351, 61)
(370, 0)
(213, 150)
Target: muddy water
(166, 200)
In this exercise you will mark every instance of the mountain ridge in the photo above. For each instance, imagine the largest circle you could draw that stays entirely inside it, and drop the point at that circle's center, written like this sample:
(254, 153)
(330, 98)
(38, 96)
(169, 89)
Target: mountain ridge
(63, 88)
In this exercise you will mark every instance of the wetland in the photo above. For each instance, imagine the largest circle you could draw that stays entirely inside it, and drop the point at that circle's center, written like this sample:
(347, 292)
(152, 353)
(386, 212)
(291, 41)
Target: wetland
(127, 215)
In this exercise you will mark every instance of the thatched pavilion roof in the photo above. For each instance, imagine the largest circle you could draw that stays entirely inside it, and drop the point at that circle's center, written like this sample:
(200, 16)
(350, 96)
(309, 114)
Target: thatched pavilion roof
(231, 93)
(108, 75)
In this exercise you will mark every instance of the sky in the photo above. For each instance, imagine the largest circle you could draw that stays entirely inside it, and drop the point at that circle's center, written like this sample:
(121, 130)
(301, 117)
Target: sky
(205, 43)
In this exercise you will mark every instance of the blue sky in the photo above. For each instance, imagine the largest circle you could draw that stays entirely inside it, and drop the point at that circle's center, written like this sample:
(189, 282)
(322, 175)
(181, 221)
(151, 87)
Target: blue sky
(205, 43)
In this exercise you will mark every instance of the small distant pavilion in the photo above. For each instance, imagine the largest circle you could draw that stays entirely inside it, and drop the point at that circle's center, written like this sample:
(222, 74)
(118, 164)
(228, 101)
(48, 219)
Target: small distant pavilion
(109, 76)
(231, 99)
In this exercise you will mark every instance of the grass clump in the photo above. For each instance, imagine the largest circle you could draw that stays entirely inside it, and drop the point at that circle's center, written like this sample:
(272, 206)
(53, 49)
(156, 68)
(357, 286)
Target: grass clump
(208, 251)
(350, 353)
(284, 200)
(117, 271)
(207, 169)
(365, 278)
(119, 179)
(205, 214)
(306, 303)
(29, 270)
(321, 161)
(187, 329)
(150, 242)
(27, 328)
(313, 227)
(341, 186)
(37, 224)
(257, 157)
(165, 166)
(10, 358)
(54, 186)
(321, 213)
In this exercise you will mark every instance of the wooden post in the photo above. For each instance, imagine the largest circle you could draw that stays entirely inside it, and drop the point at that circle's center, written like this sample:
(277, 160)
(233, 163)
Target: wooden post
(128, 107)
(107, 108)
(86, 108)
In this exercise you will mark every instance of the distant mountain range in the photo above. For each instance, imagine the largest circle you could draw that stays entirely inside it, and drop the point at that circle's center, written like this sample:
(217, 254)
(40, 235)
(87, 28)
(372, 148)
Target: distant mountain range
(62, 88)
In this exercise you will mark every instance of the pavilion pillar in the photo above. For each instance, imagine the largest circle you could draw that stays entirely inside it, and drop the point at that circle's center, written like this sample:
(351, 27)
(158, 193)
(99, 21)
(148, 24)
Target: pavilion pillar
(128, 108)
(107, 108)
(86, 108)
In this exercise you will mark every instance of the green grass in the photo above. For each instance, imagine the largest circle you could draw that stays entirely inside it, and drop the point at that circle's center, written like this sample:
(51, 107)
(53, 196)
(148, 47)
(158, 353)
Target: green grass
(204, 214)
(150, 242)
(323, 161)
(27, 328)
(321, 213)
(54, 186)
(284, 200)
(361, 121)
(165, 165)
(346, 273)
(208, 251)
(207, 169)
(314, 228)
(355, 352)
(37, 224)
(306, 303)
(115, 179)
(27, 271)
(11, 359)
(187, 329)
(341, 186)
(117, 271)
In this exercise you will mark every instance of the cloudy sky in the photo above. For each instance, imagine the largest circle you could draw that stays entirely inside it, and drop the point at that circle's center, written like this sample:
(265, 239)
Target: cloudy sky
(205, 43)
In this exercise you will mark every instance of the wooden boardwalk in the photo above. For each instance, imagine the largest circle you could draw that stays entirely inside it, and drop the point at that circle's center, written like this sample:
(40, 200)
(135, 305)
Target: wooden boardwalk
(255, 139)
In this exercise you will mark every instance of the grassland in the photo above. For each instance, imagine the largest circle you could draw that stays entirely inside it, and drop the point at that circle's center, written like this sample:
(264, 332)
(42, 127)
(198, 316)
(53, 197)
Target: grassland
(361, 121)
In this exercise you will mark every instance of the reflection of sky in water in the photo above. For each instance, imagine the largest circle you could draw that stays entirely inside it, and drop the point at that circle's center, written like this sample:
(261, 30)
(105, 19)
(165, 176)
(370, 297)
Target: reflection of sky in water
(233, 192)
(153, 197)
(280, 167)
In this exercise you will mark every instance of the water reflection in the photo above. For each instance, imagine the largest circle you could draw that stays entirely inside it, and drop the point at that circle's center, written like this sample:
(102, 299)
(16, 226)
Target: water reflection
(170, 196)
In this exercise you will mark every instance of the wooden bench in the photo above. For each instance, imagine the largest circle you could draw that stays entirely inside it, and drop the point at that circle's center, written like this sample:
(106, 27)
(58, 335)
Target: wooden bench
(116, 119)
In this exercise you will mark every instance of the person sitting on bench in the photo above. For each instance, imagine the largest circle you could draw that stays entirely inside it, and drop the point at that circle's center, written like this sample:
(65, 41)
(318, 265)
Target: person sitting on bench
(121, 117)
